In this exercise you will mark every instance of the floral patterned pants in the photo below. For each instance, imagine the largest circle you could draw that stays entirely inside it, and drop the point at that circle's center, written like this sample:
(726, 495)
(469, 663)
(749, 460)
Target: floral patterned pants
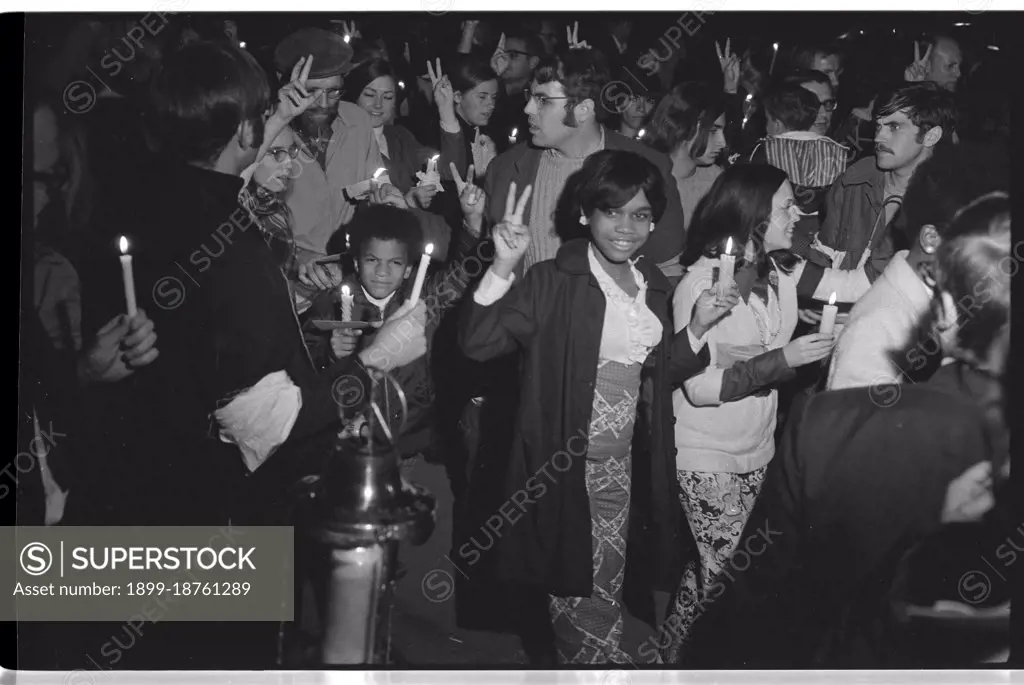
(717, 506)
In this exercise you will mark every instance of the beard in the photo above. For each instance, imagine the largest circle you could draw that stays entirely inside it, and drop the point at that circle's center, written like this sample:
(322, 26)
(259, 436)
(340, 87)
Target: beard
(314, 120)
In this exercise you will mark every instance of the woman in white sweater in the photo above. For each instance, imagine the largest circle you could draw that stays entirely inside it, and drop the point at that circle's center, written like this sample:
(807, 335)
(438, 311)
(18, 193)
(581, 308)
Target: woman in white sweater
(726, 415)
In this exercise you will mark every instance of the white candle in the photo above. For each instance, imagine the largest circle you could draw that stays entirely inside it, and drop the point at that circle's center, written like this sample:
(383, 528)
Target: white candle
(512, 136)
(775, 51)
(352, 595)
(376, 176)
(346, 303)
(828, 316)
(431, 177)
(727, 266)
(129, 278)
(421, 274)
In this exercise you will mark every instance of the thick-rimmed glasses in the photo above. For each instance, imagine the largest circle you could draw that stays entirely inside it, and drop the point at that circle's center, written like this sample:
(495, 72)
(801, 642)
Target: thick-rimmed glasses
(540, 99)
(283, 154)
(331, 93)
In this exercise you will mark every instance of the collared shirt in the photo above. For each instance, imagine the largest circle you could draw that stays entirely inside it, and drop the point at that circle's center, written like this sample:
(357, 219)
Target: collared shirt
(881, 324)
(631, 329)
(379, 304)
(316, 200)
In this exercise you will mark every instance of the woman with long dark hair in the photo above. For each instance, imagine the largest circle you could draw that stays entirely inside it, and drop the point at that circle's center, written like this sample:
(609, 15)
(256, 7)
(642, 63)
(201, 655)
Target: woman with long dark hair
(884, 502)
(373, 86)
(726, 415)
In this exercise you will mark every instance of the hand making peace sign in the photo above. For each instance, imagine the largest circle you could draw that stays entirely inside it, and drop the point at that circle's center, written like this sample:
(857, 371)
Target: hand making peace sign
(572, 36)
(471, 198)
(349, 27)
(444, 95)
(500, 60)
(293, 99)
(730, 64)
(919, 68)
(511, 237)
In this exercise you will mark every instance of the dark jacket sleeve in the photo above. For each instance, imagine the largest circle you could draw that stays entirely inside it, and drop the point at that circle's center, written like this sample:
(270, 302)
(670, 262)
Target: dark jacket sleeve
(754, 375)
(685, 364)
(754, 620)
(489, 332)
(248, 326)
(830, 233)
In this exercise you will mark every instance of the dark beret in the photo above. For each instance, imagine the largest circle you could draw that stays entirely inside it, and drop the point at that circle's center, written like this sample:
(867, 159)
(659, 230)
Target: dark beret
(331, 54)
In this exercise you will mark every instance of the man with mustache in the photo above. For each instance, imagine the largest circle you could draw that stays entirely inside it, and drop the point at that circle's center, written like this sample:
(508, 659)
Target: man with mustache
(340, 150)
(859, 210)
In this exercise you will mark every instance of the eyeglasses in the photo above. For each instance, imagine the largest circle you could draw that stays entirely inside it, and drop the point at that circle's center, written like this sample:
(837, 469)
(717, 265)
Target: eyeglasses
(282, 154)
(331, 93)
(829, 105)
(540, 99)
(515, 53)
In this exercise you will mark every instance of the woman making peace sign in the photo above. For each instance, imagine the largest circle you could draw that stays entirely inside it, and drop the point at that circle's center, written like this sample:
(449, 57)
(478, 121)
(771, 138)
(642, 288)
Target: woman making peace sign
(591, 324)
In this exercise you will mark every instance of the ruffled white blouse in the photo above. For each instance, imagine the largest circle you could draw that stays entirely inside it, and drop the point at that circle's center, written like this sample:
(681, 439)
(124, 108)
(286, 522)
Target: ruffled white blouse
(631, 330)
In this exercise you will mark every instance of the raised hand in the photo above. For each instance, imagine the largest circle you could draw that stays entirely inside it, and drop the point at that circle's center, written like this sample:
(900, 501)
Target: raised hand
(421, 196)
(320, 276)
(500, 60)
(572, 37)
(444, 95)
(293, 99)
(484, 151)
(387, 194)
(919, 68)
(511, 237)
(349, 27)
(730, 64)
(471, 198)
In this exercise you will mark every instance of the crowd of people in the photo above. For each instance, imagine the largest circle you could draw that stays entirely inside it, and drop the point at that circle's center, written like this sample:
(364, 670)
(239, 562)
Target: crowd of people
(732, 335)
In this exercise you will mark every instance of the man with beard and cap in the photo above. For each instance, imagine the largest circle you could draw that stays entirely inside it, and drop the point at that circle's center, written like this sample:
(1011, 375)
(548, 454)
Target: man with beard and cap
(340, 151)
(861, 206)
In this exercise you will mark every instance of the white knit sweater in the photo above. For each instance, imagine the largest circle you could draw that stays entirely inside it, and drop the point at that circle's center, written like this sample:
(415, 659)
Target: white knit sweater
(734, 437)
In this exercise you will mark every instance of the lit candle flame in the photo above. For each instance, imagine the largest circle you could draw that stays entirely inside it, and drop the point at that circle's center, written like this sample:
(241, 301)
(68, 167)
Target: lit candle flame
(429, 249)
(345, 290)
(435, 158)
(775, 46)
(241, 44)
(832, 299)
(728, 246)
(515, 132)
(378, 172)
(123, 244)
(347, 38)
(641, 133)
(401, 84)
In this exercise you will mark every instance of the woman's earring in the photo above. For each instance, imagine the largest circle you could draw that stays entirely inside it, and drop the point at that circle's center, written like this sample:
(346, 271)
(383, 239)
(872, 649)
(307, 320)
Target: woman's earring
(652, 228)
(584, 221)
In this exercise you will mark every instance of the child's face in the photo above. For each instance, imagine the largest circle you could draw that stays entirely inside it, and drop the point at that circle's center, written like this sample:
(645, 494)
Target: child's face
(383, 266)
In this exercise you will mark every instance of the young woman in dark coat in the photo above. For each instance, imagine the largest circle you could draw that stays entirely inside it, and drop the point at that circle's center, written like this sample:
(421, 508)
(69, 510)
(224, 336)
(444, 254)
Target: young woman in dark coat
(592, 469)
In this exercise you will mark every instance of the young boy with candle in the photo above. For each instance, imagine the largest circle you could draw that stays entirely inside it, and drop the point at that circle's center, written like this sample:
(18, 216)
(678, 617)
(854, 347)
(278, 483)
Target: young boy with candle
(386, 243)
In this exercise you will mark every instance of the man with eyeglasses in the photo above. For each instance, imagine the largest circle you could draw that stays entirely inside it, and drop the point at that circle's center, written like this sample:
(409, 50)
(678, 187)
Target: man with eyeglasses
(819, 84)
(339, 148)
(523, 51)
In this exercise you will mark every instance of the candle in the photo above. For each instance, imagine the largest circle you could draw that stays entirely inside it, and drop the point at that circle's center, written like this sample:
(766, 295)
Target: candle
(421, 274)
(512, 136)
(129, 279)
(346, 303)
(828, 316)
(431, 177)
(352, 596)
(727, 266)
(775, 51)
(375, 181)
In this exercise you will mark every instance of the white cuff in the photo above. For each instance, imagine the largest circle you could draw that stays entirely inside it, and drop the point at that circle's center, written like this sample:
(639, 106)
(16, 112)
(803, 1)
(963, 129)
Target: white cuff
(696, 344)
(260, 419)
(492, 288)
(448, 130)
